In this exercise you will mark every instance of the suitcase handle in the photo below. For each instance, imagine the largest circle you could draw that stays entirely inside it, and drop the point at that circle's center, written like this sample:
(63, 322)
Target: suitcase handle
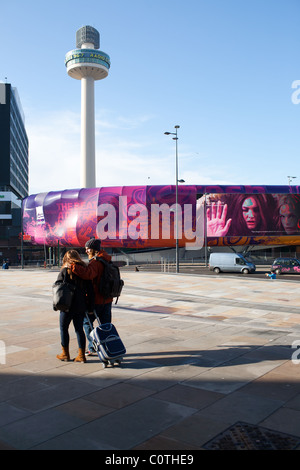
(88, 318)
(97, 318)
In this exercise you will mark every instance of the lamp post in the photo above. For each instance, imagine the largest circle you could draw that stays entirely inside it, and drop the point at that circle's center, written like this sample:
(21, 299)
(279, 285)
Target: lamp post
(22, 237)
(176, 207)
(290, 178)
(22, 233)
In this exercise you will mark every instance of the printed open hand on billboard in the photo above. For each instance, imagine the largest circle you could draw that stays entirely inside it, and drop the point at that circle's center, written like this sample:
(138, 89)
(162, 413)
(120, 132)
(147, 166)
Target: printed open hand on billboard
(217, 224)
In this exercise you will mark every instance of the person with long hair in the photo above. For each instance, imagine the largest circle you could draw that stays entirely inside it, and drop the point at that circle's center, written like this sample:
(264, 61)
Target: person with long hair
(250, 215)
(287, 216)
(81, 304)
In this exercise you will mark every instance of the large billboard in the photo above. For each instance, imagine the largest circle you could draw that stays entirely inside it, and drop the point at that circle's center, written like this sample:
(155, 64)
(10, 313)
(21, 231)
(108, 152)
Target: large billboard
(148, 217)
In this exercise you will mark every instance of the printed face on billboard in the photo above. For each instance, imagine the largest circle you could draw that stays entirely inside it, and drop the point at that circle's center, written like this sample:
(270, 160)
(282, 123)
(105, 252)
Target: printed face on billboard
(255, 215)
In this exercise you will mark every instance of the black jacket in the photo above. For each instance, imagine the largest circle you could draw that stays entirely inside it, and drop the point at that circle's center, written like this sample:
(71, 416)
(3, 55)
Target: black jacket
(84, 295)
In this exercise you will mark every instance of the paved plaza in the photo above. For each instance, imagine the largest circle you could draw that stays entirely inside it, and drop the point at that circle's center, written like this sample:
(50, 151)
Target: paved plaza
(205, 355)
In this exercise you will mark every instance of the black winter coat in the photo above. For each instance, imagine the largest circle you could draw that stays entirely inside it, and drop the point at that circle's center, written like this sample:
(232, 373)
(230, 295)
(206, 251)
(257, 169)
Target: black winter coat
(84, 294)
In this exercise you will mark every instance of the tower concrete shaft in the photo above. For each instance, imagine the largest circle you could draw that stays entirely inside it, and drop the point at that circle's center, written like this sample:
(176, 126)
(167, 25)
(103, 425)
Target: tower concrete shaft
(87, 63)
(88, 158)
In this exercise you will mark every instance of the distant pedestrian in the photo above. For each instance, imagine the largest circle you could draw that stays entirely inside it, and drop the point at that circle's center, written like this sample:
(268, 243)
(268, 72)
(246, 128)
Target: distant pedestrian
(271, 275)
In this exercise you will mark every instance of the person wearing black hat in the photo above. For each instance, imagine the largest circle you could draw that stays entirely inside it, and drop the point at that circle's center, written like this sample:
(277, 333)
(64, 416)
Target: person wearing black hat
(93, 271)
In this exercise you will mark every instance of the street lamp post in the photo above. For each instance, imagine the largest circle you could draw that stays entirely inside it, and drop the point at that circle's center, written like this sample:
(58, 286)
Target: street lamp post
(22, 233)
(176, 206)
(290, 178)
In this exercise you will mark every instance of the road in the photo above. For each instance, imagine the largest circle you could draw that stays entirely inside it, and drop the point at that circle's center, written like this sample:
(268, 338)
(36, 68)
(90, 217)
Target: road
(204, 271)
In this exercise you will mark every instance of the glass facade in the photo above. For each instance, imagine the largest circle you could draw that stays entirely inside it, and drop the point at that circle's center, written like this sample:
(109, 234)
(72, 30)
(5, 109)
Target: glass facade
(18, 149)
(14, 183)
(90, 56)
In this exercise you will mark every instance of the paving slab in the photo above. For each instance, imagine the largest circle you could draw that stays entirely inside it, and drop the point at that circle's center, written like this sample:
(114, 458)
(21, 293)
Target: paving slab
(203, 353)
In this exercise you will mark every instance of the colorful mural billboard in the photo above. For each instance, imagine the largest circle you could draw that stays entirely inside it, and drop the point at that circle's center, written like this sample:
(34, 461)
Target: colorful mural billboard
(145, 216)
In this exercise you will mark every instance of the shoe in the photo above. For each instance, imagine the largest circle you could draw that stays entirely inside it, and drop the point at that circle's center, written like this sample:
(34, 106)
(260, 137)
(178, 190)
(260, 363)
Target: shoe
(64, 356)
(90, 352)
(81, 356)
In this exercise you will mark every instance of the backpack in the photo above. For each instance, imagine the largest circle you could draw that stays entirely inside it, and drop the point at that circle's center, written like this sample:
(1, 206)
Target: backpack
(111, 283)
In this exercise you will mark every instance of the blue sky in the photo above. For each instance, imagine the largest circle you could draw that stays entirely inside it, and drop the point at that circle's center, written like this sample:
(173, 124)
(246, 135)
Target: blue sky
(221, 70)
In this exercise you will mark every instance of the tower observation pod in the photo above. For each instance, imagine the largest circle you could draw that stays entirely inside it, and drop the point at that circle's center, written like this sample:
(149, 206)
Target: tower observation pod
(87, 63)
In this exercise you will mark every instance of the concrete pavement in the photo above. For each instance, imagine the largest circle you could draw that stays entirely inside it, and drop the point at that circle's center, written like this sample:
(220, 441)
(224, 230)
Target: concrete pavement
(208, 366)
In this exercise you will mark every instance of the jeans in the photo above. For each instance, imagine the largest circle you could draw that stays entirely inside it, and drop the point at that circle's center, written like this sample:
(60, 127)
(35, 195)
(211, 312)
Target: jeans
(64, 323)
(103, 312)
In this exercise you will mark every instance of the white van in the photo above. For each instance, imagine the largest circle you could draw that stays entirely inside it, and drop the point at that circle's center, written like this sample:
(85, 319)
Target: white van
(230, 262)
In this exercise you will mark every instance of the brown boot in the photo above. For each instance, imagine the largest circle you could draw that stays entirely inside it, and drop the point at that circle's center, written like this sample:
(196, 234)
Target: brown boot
(65, 355)
(81, 356)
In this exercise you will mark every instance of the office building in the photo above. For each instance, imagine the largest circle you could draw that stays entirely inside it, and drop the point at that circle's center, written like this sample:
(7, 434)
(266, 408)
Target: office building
(13, 171)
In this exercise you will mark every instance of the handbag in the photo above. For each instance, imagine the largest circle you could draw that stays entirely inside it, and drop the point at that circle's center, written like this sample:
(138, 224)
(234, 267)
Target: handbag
(63, 294)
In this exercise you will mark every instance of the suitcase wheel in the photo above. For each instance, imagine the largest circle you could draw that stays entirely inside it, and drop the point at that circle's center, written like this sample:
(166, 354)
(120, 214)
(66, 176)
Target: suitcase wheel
(112, 363)
(118, 361)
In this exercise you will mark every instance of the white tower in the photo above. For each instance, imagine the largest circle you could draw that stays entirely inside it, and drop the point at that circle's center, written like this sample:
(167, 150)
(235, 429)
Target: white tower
(87, 63)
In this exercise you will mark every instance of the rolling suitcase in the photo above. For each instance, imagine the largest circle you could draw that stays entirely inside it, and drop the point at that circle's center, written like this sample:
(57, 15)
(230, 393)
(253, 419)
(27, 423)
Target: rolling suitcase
(107, 343)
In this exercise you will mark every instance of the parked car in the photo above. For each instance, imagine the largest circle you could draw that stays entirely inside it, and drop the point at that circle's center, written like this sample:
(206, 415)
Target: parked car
(230, 262)
(286, 266)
